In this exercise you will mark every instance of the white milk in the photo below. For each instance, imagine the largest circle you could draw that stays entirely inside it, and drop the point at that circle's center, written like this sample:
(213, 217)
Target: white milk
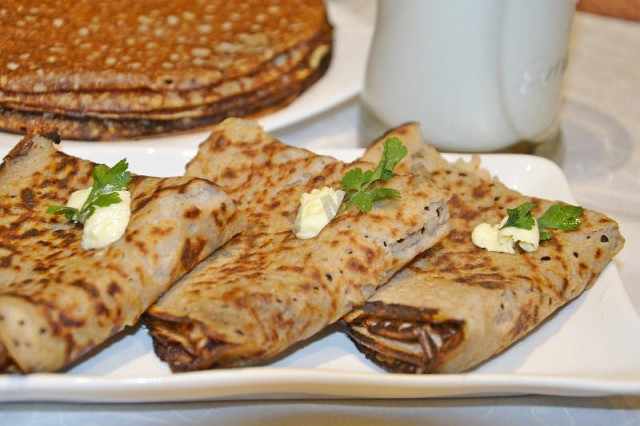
(479, 75)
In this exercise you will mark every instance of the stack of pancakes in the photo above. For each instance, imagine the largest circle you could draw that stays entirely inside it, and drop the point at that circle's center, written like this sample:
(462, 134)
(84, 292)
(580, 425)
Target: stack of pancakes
(120, 69)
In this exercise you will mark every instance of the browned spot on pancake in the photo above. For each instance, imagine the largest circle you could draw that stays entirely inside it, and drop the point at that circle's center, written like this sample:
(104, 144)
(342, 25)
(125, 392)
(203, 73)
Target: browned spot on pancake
(192, 213)
(65, 162)
(141, 203)
(51, 134)
(56, 183)
(113, 288)
(221, 218)
(459, 237)
(527, 318)
(461, 209)
(479, 192)
(355, 265)
(182, 189)
(229, 173)
(28, 198)
(291, 268)
(509, 199)
(161, 231)
(599, 253)
(190, 252)
(5, 262)
(370, 254)
(220, 142)
(305, 287)
(141, 246)
(31, 233)
(250, 152)
(69, 322)
(94, 296)
(447, 268)
(274, 204)
(101, 309)
(488, 281)
(91, 290)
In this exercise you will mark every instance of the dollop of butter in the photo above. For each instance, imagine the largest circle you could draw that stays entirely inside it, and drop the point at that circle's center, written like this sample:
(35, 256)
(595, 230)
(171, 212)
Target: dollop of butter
(107, 224)
(492, 238)
(317, 209)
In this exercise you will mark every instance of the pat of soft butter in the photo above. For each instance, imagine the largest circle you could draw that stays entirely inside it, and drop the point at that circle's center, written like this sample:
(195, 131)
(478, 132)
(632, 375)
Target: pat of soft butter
(488, 237)
(492, 238)
(317, 209)
(106, 224)
(527, 239)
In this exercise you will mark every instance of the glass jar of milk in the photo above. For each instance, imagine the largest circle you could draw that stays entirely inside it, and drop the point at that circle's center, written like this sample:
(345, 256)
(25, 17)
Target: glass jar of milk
(478, 75)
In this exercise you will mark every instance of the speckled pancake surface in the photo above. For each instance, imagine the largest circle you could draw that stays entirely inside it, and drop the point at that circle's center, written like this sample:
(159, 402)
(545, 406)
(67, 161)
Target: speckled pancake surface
(294, 64)
(86, 126)
(59, 301)
(160, 45)
(456, 305)
(267, 289)
(191, 62)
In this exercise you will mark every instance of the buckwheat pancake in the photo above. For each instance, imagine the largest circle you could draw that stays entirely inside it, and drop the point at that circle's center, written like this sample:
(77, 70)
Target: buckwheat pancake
(218, 100)
(456, 304)
(264, 101)
(259, 172)
(59, 301)
(127, 70)
(158, 45)
(266, 289)
(310, 56)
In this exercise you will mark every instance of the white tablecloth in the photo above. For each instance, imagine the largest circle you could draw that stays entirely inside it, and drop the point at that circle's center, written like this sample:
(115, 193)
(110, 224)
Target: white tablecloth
(601, 127)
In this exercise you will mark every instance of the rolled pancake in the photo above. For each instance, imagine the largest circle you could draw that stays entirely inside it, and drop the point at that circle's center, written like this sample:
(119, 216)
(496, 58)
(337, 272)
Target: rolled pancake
(57, 300)
(456, 304)
(266, 289)
(259, 172)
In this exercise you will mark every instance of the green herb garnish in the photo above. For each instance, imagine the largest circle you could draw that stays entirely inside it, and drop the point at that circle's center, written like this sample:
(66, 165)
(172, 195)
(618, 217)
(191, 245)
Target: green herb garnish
(520, 217)
(104, 192)
(356, 182)
(559, 216)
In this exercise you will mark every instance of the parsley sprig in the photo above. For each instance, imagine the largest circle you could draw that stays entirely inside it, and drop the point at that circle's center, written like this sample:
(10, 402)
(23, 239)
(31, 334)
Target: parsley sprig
(356, 182)
(560, 216)
(520, 217)
(107, 181)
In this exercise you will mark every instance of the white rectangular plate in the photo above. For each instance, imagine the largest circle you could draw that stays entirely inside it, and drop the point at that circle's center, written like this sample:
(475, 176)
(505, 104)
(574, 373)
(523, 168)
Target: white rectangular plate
(589, 348)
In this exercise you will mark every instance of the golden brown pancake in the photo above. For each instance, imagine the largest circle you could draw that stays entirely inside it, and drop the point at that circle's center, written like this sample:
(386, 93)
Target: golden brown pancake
(264, 101)
(266, 289)
(59, 301)
(115, 70)
(135, 103)
(456, 304)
